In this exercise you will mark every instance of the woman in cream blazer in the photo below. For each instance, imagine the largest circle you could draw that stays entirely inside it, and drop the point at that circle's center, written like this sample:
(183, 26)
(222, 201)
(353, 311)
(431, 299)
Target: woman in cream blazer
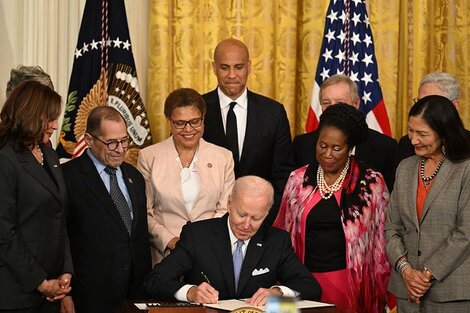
(171, 203)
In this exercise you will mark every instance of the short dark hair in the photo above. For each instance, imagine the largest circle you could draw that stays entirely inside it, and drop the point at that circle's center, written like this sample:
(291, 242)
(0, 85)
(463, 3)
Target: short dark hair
(348, 119)
(98, 115)
(441, 115)
(184, 97)
(26, 113)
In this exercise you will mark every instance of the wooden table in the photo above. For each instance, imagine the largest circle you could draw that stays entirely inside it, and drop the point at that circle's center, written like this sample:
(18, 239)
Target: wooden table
(129, 307)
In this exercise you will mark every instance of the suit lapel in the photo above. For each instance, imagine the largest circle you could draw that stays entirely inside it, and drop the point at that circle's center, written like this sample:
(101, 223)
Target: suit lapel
(131, 189)
(213, 122)
(31, 165)
(440, 181)
(56, 171)
(252, 122)
(93, 181)
(412, 180)
(254, 252)
(223, 253)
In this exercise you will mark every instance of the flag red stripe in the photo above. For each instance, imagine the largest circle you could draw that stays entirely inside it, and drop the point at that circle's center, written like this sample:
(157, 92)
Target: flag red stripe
(380, 113)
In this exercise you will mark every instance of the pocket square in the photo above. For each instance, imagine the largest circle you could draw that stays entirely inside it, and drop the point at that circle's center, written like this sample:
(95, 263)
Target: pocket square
(261, 271)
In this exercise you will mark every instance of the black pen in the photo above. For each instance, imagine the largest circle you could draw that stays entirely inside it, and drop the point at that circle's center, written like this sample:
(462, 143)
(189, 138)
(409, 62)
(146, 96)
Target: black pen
(204, 277)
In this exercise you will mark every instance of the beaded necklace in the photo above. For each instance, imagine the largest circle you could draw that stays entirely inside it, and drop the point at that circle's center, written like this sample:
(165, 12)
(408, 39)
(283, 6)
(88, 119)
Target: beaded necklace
(326, 192)
(427, 179)
(38, 154)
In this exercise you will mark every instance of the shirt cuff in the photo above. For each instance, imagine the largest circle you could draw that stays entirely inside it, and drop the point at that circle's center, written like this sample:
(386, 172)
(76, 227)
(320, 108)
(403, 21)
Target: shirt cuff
(181, 294)
(287, 292)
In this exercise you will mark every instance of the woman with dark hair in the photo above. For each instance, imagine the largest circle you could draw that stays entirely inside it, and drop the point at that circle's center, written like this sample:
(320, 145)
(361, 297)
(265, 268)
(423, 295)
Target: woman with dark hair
(187, 178)
(334, 210)
(35, 263)
(428, 222)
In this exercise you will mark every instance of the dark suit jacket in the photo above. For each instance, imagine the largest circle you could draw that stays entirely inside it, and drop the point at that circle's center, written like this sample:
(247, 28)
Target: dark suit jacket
(33, 240)
(267, 148)
(405, 149)
(378, 152)
(205, 247)
(109, 265)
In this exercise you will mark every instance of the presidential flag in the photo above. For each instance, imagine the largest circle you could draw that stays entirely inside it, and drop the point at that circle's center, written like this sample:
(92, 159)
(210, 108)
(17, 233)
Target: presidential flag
(103, 74)
(348, 49)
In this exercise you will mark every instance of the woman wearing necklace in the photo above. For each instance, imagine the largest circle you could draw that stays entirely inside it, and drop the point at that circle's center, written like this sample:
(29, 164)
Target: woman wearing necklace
(187, 178)
(35, 263)
(428, 221)
(334, 210)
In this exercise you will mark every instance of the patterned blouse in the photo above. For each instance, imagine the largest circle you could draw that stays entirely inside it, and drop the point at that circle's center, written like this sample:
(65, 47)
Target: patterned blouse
(363, 203)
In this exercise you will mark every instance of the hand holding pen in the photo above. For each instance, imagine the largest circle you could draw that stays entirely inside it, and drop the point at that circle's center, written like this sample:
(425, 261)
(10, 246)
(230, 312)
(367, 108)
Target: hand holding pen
(204, 293)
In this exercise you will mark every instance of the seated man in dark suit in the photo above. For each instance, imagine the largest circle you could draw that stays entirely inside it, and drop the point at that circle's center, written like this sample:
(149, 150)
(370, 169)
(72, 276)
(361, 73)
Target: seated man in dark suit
(236, 256)
(378, 152)
(435, 83)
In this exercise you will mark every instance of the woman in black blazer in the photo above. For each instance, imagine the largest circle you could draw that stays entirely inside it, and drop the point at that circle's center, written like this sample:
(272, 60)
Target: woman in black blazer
(35, 265)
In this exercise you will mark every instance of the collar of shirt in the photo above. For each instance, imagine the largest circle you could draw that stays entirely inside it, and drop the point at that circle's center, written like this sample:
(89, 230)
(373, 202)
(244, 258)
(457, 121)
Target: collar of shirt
(241, 112)
(100, 166)
(224, 101)
(233, 240)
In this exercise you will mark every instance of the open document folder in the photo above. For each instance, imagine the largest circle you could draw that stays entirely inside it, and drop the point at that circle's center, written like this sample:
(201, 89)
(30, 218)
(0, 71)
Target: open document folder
(230, 305)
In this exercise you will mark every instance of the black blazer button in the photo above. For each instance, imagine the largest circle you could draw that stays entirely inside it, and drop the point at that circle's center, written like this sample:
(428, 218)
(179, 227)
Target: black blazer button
(419, 253)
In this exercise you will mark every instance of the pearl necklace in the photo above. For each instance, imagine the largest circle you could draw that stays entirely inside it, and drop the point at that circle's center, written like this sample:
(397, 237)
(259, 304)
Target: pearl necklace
(326, 191)
(38, 154)
(427, 180)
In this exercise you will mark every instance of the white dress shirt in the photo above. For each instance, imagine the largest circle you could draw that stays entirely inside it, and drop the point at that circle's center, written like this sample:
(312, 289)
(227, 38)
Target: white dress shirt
(241, 112)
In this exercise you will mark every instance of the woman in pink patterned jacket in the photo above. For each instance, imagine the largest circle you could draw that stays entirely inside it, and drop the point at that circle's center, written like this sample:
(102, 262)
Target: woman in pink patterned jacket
(335, 212)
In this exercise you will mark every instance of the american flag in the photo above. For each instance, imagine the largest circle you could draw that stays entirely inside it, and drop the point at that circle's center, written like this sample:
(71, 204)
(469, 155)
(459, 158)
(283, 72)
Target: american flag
(348, 49)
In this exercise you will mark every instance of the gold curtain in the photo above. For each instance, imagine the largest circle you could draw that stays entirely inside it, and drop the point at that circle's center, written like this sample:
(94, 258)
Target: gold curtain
(284, 37)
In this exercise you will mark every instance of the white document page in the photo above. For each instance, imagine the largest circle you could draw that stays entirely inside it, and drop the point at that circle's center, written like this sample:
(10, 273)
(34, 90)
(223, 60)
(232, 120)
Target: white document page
(233, 304)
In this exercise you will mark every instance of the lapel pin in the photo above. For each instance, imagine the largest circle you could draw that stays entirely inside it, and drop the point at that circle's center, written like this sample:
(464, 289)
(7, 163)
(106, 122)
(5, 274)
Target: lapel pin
(259, 244)
(55, 165)
(129, 180)
(209, 165)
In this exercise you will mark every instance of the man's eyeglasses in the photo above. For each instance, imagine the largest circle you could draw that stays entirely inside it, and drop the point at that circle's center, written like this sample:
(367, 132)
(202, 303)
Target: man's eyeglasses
(180, 124)
(113, 144)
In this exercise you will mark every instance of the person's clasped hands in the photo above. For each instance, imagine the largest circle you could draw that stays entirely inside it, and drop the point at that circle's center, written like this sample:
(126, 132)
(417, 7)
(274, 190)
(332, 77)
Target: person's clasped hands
(417, 283)
(56, 289)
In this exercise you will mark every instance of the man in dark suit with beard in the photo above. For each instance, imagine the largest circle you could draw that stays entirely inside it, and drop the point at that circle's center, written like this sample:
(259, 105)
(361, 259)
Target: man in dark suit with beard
(255, 128)
(234, 257)
(107, 220)
(377, 152)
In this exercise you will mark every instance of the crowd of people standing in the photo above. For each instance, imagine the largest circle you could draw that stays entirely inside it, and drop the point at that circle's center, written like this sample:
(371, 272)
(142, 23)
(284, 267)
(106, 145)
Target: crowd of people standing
(228, 206)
